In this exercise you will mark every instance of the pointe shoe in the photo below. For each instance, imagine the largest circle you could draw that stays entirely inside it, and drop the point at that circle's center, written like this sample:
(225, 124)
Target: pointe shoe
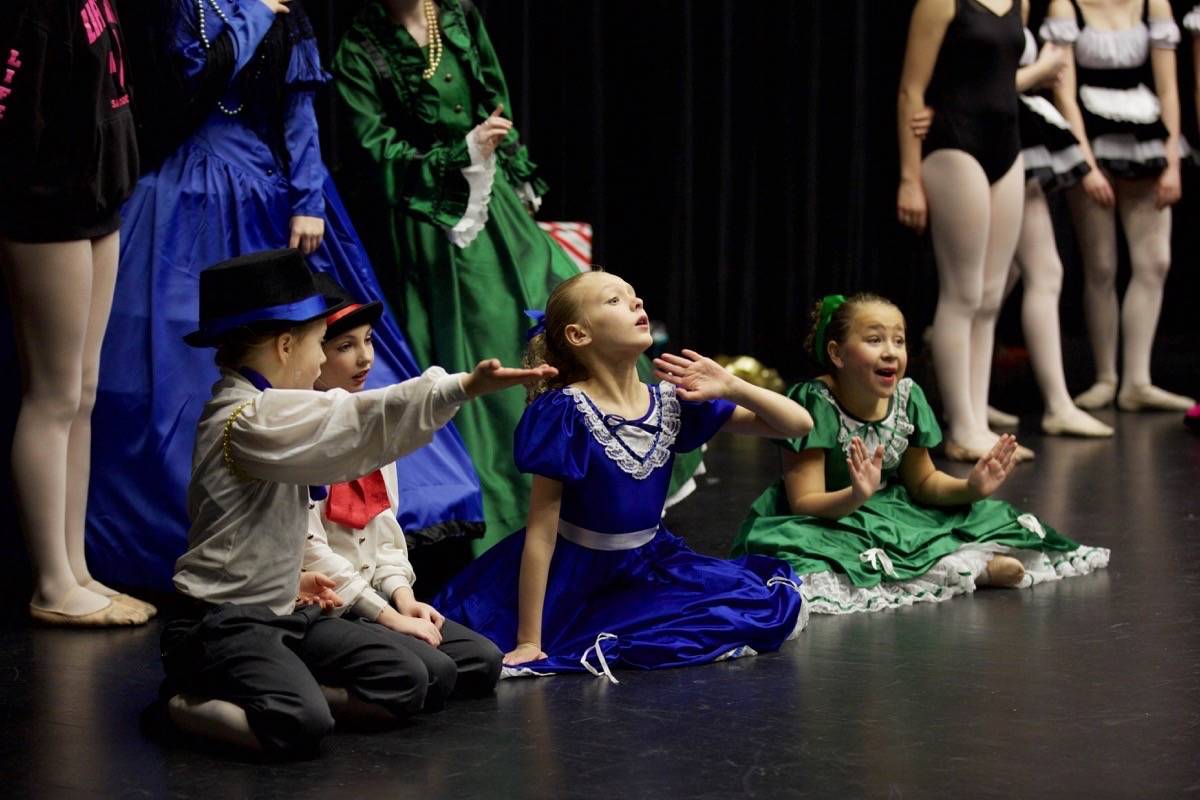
(1075, 423)
(1100, 395)
(1003, 571)
(110, 616)
(1151, 398)
(1000, 419)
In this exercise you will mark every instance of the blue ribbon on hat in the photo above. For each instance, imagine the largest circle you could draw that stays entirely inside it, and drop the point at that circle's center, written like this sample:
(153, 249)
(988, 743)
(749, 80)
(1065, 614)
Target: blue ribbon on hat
(539, 323)
(286, 312)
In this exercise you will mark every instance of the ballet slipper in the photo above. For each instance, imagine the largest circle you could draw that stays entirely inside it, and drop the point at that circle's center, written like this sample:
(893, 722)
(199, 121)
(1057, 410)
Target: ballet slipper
(1000, 419)
(112, 615)
(1003, 571)
(1023, 453)
(122, 598)
(956, 452)
(1151, 398)
(1075, 422)
(219, 720)
(1100, 395)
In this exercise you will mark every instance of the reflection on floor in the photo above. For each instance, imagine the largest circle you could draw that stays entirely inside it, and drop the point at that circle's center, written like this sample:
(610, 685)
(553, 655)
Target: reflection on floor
(1090, 686)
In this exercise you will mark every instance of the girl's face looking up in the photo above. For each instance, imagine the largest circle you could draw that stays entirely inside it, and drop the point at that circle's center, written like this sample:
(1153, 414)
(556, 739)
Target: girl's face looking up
(348, 359)
(614, 318)
(874, 355)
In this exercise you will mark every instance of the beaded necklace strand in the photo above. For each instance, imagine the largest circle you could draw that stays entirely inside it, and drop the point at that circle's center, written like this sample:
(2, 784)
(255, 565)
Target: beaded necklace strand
(434, 35)
(231, 112)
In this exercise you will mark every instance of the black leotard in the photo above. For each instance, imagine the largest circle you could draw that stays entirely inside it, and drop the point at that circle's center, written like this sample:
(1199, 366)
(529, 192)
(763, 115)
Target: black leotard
(974, 87)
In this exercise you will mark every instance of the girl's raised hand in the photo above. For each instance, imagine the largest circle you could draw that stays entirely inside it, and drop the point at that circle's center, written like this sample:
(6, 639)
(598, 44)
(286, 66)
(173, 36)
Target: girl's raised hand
(278, 6)
(993, 468)
(492, 376)
(523, 653)
(866, 471)
(697, 377)
(489, 133)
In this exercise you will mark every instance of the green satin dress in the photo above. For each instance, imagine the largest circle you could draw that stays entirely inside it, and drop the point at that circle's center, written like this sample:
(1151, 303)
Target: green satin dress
(893, 551)
(406, 138)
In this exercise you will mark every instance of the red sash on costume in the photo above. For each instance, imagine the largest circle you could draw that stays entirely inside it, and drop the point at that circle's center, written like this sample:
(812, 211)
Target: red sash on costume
(359, 501)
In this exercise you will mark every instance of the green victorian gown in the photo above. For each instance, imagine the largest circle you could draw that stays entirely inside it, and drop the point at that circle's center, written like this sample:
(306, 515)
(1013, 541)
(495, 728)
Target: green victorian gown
(451, 235)
(893, 551)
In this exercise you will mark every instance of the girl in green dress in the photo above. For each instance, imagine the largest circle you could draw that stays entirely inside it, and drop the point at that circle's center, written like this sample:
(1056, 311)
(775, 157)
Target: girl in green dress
(446, 195)
(862, 513)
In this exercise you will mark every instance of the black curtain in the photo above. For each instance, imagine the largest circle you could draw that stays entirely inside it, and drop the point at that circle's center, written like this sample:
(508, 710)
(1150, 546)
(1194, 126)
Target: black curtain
(738, 159)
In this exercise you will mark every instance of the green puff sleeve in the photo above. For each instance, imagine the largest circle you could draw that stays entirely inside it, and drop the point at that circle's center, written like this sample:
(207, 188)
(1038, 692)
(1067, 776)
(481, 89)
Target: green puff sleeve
(927, 432)
(513, 157)
(824, 435)
(428, 184)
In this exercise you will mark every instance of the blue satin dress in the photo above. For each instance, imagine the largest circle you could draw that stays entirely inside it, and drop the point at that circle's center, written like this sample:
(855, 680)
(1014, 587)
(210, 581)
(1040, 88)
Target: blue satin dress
(622, 590)
(221, 194)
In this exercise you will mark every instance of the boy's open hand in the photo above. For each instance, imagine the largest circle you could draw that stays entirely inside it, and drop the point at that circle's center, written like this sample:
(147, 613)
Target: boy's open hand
(317, 590)
(492, 376)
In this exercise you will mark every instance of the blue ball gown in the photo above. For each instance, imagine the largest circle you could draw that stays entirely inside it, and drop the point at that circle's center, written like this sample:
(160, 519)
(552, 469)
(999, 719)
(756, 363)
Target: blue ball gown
(222, 193)
(622, 590)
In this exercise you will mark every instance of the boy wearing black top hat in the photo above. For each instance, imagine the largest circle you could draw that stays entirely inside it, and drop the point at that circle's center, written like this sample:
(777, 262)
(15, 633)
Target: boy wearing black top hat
(246, 665)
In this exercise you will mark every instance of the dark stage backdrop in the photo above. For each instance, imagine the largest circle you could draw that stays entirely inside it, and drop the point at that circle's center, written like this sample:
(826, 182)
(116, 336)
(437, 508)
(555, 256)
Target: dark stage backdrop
(737, 158)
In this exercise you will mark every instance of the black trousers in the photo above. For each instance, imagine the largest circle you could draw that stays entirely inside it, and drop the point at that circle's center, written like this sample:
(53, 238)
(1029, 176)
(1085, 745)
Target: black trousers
(273, 667)
(466, 664)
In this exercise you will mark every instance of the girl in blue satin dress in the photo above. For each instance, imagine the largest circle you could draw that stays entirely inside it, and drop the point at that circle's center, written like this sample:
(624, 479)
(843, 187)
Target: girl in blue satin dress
(247, 176)
(595, 581)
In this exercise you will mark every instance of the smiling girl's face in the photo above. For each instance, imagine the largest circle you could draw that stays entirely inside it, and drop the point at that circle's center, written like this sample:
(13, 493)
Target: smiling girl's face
(874, 355)
(348, 360)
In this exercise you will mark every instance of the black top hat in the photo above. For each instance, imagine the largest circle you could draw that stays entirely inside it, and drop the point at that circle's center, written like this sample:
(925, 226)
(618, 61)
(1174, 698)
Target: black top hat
(260, 291)
(351, 314)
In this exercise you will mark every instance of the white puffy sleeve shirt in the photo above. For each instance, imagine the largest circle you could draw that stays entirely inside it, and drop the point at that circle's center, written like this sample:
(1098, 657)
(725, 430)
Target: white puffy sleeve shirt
(258, 452)
(368, 565)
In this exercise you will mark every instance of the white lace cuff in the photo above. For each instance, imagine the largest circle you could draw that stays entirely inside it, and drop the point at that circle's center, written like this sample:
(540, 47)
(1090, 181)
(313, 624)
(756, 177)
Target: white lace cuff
(529, 197)
(1060, 30)
(1164, 34)
(480, 175)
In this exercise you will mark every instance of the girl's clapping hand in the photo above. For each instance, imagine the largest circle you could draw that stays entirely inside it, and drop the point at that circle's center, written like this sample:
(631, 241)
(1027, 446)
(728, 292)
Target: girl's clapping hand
(695, 376)
(866, 470)
(993, 468)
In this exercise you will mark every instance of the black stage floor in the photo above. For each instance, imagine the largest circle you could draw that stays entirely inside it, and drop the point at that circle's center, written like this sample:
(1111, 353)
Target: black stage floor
(1086, 687)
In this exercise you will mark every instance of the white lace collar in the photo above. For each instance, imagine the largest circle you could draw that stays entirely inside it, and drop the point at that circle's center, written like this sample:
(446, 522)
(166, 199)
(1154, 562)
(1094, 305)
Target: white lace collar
(637, 446)
(891, 432)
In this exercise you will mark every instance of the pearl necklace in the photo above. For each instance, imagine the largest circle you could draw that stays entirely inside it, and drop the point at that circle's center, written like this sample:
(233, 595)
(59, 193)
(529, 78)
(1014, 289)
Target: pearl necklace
(434, 35)
(231, 112)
